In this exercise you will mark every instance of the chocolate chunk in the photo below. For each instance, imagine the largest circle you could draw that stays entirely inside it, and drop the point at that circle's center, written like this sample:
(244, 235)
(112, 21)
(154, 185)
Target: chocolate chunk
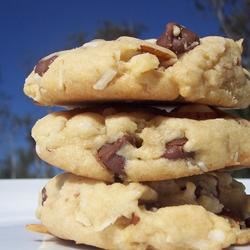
(43, 65)
(178, 38)
(197, 191)
(174, 150)
(226, 212)
(247, 222)
(149, 205)
(44, 195)
(203, 190)
(217, 194)
(114, 162)
(107, 153)
(134, 219)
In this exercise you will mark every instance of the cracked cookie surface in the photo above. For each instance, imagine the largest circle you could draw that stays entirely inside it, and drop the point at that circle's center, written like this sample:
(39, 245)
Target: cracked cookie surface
(135, 144)
(130, 69)
(156, 215)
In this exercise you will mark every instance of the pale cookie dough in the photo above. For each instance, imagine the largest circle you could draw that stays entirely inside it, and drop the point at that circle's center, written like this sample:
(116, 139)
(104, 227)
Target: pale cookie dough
(142, 144)
(164, 215)
(130, 69)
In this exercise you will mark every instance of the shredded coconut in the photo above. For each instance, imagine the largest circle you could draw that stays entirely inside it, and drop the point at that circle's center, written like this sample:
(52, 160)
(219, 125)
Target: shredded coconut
(236, 156)
(216, 235)
(106, 78)
(202, 166)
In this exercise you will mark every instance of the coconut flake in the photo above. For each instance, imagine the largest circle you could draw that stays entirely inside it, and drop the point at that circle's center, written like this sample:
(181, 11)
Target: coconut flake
(236, 156)
(216, 235)
(106, 78)
(247, 73)
(202, 166)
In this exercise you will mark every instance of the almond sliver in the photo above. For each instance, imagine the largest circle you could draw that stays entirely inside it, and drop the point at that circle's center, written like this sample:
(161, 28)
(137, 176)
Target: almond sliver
(163, 54)
(38, 228)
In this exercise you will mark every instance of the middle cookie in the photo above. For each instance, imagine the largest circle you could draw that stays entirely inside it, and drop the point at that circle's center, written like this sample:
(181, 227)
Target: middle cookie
(135, 144)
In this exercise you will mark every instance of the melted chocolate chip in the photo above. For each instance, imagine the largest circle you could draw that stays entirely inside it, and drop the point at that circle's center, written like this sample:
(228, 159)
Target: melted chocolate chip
(114, 162)
(44, 195)
(43, 65)
(178, 38)
(197, 113)
(175, 151)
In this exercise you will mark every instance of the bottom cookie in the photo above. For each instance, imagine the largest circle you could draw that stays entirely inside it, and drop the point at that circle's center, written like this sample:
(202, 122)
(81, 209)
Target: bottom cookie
(206, 212)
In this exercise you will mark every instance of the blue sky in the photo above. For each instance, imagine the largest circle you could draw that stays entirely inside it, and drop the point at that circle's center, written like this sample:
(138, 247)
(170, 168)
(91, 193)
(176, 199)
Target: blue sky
(32, 29)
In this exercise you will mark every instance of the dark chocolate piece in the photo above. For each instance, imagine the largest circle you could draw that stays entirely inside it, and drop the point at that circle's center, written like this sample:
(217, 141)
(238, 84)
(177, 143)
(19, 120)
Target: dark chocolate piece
(175, 151)
(134, 219)
(178, 38)
(43, 65)
(44, 195)
(107, 153)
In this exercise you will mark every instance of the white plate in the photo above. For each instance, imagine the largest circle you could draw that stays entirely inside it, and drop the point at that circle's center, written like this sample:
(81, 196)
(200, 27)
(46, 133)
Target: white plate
(17, 208)
(16, 237)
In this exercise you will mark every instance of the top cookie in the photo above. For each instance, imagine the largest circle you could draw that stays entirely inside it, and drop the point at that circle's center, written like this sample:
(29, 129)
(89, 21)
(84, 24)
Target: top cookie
(186, 69)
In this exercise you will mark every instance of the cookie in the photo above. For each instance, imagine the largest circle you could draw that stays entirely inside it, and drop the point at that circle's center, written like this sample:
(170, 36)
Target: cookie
(178, 67)
(189, 213)
(142, 144)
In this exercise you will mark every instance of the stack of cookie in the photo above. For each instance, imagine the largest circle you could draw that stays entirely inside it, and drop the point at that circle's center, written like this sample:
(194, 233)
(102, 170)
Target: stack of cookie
(142, 177)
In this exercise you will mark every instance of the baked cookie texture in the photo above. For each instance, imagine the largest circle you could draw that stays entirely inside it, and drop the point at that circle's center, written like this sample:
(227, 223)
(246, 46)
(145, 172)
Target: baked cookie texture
(130, 69)
(174, 215)
(142, 144)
